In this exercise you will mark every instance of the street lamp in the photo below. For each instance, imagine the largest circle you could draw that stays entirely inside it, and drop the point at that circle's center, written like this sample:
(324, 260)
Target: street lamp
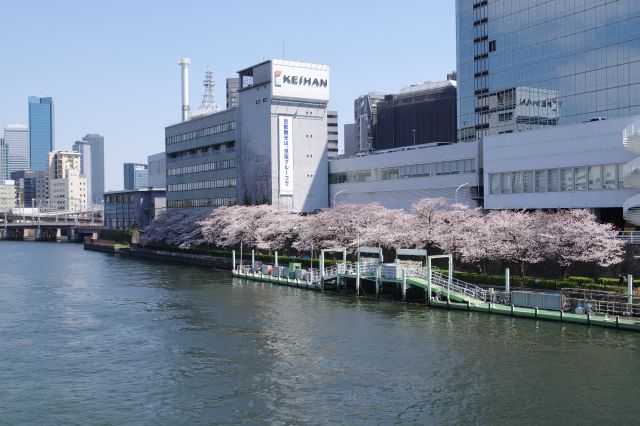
(457, 189)
(414, 136)
(336, 194)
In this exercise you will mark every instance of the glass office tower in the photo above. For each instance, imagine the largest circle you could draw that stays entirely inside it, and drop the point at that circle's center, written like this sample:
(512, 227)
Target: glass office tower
(136, 176)
(526, 64)
(40, 132)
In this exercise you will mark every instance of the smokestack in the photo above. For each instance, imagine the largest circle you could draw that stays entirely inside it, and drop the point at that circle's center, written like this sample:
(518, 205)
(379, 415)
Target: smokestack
(184, 64)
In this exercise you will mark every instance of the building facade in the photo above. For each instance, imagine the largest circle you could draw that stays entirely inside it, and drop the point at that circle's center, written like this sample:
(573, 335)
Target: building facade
(32, 188)
(96, 142)
(574, 166)
(67, 185)
(16, 138)
(136, 176)
(419, 114)
(41, 132)
(7, 195)
(534, 64)
(349, 140)
(86, 166)
(157, 170)
(365, 114)
(133, 209)
(233, 97)
(271, 149)
(332, 135)
(4, 160)
(399, 177)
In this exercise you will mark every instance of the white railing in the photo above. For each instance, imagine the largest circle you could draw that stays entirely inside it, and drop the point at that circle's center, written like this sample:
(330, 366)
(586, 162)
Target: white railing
(629, 237)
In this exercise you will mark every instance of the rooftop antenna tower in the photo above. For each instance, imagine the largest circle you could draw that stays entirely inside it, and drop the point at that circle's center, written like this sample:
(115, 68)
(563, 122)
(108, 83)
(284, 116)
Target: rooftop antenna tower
(208, 105)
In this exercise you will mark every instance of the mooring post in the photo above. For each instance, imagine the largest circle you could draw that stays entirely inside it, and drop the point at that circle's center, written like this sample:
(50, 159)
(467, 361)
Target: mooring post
(429, 282)
(536, 312)
(404, 285)
(617, 321)
(378, 279)
(358, 279)
(253, 259)
(511, 310)
(275, 260)
(233, 260)
(506, 281)
(630, 289)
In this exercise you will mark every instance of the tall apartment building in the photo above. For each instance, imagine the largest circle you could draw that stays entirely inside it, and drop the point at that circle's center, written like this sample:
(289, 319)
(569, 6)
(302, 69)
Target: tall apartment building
(534, 64)
(136, 176)
(32, 188)
(67, 185)
(332, 134)
(96, 142)
(349, 137)
(41, 132)
(86, 166)
(157, 170)
(233, 96)
(16, 137)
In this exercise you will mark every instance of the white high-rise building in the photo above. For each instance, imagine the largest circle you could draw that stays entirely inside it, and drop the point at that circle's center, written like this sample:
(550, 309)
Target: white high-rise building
(7, 195)
(332, 135)
(16, 137)
(86, 164)
(67, 185)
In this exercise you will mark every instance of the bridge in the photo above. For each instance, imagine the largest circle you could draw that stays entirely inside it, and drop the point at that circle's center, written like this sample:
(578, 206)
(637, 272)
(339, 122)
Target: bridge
(50, 226)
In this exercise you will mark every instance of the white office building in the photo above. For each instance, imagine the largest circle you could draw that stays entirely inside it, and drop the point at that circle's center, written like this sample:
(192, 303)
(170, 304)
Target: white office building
(67, 185)
(86, 163)
(7, 195)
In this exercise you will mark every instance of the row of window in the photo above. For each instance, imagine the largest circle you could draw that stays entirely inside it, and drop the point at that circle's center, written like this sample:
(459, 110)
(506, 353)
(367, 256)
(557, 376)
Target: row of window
(204, 167)
(203, 202)
(607, 176)
(218, 128)
(203, 151)
(203, 184)
(402, 172)
(119, 199)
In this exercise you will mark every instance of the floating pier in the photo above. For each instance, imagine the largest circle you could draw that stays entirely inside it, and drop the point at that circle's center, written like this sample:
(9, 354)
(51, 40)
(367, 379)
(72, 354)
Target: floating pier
(442, 290)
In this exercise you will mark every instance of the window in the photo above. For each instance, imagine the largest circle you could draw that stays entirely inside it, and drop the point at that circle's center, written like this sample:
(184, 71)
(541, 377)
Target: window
(505, 182)
(609, 176)
(580, 174)
(566, 179)
(528, 181)
(492, 46)
(553, 180)
(595, 177)
(516, 182)
(620, 174)
(494, 183)
(541, 181)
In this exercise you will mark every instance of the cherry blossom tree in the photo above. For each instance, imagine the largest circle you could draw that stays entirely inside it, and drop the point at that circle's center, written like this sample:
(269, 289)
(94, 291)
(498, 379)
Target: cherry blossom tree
(425, 214)
(454, 229)
(176, 227)
(573, 236)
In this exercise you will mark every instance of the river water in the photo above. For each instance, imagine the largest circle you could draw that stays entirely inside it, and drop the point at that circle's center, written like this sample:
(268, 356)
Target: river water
(89, 338)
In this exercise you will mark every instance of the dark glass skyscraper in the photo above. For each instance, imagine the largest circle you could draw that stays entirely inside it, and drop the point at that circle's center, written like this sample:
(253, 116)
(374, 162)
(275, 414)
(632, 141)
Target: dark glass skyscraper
(96, 142)
(41, 135)
(136, 176)
(525, 64)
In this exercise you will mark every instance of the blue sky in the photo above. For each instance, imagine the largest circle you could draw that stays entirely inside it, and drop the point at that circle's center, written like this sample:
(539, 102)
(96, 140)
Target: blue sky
(112, 66)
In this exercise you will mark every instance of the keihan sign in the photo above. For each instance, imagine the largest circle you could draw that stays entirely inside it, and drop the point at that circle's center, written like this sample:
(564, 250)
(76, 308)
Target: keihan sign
(297, 80)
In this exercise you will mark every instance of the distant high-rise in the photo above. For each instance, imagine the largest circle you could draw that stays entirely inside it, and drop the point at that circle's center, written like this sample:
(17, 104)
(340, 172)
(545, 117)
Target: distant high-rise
(67, 186)
(332, 134)
(136, 176)
(86, 166)
(32, 188)
(349, 137)
(16, 138)
(157, 170)
(96, 142)
(41, 132)
(4, 160)
(365, 111)
(233, 97)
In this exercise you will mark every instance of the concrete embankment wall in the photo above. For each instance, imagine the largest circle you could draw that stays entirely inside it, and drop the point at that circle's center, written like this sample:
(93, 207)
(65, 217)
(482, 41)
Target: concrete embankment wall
(183, 258)
(104, 248)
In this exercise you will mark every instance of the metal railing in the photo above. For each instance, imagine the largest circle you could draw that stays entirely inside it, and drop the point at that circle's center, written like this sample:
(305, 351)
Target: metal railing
(629, 237)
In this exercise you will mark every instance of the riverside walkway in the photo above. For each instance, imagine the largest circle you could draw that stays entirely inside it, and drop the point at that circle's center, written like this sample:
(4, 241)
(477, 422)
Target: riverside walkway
(443, 291)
